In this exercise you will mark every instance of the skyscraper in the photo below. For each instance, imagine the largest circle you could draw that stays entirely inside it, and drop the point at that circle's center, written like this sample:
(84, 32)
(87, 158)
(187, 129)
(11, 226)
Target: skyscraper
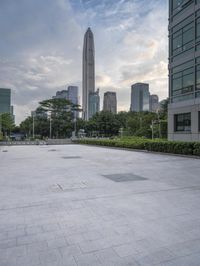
(140, 97)
(94, 103)
(184, 70)
(110, 102)
(73, 94)
(88, 72)
(5, 101)
(70, 94)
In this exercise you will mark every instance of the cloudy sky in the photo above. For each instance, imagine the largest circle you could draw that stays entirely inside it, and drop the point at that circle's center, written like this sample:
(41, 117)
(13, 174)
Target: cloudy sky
(41, 47)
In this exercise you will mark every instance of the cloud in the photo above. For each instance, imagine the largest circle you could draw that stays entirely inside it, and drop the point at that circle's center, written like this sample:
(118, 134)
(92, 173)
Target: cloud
(41, 48)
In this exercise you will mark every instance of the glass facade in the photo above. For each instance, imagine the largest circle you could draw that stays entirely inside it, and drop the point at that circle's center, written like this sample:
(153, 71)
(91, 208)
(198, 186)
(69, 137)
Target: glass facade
(140, 97)
(179, 5)
(199, 121)
(94, 103)
(184, 43)
(184, 70)
(182, 122)
(5, 100)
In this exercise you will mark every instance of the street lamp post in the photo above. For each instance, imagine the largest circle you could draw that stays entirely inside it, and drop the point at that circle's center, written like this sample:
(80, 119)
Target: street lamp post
(50, 127)
(33, 126)
(152, 129)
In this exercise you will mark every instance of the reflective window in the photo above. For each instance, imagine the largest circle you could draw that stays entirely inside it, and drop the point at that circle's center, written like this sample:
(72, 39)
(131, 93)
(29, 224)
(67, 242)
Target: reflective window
(198, 28)
(198, 77)
(178, 5)
(199, 120)
(183, 81)
(183, 39)
(182, 122)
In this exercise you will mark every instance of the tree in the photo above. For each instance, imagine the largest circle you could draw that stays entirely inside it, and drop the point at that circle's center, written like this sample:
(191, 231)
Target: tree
(62, 113)
(7, 123)
(26, 126)
(164, 109)
(104, 124)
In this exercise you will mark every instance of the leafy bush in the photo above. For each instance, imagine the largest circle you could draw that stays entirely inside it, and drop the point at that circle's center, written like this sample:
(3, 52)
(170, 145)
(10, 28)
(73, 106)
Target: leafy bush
(196, 150)
(173, 147)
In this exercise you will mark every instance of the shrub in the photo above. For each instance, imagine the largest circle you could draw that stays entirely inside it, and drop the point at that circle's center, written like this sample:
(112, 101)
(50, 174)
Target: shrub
(196, 150)
(174, 147)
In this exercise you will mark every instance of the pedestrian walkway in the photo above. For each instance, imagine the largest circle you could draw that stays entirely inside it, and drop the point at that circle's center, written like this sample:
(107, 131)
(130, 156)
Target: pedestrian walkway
(79, 205)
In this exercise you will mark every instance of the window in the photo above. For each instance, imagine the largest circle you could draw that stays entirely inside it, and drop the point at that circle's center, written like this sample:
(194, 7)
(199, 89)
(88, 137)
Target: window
(198, 28)
(183, 82)
(182, 122)
(178, 5)
(183, 36)
(198, 77)
(199, 120)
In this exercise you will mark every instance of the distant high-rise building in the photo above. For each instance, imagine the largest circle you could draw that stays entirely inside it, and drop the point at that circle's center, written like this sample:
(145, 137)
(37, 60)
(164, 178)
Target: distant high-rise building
(110, 102)
(5, 101)
(184, 70)
(39, 113)
(73, 94)
(61, 95)
(140, 97)
(70, 94)
(88, 85)
(154, 103)
(94, 103)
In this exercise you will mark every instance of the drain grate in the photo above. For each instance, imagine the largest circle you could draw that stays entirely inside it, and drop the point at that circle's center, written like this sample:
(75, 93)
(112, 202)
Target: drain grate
(125, 177)
(71, 157)
(67, 187)
(52, 150)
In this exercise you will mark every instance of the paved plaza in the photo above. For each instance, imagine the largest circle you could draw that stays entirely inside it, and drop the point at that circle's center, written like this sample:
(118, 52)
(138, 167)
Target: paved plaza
(77, 205)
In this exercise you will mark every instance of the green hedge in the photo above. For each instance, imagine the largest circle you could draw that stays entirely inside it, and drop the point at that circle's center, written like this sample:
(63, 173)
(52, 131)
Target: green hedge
(174, 147)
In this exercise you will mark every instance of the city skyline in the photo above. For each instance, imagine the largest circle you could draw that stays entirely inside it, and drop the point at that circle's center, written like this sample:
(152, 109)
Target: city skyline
(37, 56)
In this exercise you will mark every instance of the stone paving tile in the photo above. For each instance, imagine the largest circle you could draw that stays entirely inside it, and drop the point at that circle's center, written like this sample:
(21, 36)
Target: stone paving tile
(16, 233)
(36, 247)
(49, 256)
(8, 262)
(8, 243)
(31, 260)
(192, 260)
(74, 239)
(126, 250)
(57, 243)
(87, 260)
(32, 230)
(24, 240)
(70, 251)
(107, 255)
(154, 222)
(154, 258)
(91, 235)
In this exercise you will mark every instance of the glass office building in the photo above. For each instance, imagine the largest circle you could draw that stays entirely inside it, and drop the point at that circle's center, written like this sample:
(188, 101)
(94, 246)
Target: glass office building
(140, 97)
(184, 70)
(5, 100)
(94, 103)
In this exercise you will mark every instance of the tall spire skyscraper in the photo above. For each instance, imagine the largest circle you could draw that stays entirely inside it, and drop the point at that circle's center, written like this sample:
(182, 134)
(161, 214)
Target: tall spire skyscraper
(88, 71)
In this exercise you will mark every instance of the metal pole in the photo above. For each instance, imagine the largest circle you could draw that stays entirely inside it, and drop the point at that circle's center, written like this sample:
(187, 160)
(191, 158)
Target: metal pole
(152, 129)
(33, 127)
(159, 130)
(50, 128)
(75, 126)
